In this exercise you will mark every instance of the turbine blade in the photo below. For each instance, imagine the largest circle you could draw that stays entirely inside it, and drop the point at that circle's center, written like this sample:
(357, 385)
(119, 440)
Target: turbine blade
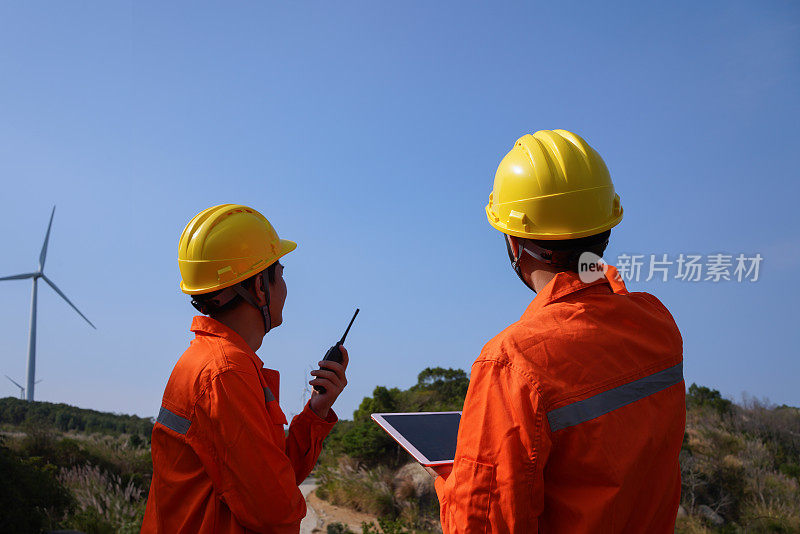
(14, 382)
(43, 254)
(19, 276)
(63, 296)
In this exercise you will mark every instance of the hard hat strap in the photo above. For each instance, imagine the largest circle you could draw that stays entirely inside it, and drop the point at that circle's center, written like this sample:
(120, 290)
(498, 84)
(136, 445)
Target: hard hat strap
(515, 256)
(221, 299)
(246, 295)
(567, 258)
(556, 258)
(225, 296)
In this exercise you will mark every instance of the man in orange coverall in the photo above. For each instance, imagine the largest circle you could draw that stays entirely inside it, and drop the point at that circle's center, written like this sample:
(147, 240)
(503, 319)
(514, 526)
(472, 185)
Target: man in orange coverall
(221, 460)
(575, 414)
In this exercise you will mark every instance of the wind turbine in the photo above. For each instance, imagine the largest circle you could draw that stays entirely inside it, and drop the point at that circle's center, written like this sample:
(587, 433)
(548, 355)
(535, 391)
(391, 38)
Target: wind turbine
(32, 332)
(21, 389)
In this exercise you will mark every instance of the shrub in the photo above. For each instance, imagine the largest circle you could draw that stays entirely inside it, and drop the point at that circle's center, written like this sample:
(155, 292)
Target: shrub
(31, 498)
(734, 461)
(385, 526)
(339, 528)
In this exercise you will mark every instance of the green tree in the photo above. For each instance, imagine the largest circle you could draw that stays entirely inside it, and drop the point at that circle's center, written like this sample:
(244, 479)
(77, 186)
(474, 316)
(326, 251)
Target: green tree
(437, 389)
(448, 385)
(700, 396)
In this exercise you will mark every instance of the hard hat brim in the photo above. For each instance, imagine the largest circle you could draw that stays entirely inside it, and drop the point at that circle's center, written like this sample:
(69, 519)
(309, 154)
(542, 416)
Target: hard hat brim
(285, 246)
(552, 236)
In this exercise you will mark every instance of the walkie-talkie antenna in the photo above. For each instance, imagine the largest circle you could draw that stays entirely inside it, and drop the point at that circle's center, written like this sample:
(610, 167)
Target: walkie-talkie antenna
(334, 353)
(341, 341)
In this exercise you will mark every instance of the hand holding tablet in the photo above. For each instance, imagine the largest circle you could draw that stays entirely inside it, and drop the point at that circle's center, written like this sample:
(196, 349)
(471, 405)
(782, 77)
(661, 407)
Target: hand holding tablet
(430, 437)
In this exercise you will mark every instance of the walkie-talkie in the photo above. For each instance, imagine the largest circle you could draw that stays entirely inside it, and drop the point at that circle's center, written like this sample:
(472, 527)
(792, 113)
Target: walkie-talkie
(334, 354)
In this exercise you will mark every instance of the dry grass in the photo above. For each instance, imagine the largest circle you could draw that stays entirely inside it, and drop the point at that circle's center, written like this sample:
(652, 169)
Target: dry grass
(105, 496)
(346, 483)
(379, 491)
(730, 463)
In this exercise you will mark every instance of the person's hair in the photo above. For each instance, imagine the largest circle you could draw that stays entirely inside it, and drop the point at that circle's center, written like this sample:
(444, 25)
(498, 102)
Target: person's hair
(205, 299)
(596, 244)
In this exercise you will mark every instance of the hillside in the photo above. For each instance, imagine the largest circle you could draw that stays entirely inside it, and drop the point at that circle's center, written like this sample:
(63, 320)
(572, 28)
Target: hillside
(740, 462)
(72, 468)
(66, 418)
(90, 471)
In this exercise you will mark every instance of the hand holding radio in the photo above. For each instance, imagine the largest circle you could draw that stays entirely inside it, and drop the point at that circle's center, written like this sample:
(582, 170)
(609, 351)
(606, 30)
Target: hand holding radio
(329, 380)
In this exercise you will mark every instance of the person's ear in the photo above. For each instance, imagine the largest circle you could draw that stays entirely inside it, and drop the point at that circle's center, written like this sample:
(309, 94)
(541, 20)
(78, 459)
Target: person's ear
(260, 289)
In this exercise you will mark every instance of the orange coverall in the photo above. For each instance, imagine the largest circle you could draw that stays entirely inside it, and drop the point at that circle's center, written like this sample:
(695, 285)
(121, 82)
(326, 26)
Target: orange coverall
(574, 418)
(221, 460)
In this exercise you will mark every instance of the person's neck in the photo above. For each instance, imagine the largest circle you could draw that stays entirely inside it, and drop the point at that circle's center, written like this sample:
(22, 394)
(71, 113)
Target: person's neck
(535, 273)
(249, 325)
(540, 278)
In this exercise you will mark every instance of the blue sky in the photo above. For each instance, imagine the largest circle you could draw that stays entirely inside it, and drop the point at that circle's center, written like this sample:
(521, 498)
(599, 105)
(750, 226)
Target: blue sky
(369, 132)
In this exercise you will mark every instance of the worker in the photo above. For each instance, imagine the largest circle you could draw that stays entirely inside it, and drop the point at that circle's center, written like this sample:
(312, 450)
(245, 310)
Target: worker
(222, 462)
(575, 414)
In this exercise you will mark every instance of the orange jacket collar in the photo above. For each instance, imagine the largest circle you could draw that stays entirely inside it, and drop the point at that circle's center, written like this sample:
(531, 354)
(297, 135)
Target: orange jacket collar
(202, 325)
(567, 282)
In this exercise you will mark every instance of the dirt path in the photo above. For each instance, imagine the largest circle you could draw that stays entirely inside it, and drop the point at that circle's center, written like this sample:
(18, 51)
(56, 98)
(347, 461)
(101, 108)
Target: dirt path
(321, 513)
(329, 513)
(311, 522)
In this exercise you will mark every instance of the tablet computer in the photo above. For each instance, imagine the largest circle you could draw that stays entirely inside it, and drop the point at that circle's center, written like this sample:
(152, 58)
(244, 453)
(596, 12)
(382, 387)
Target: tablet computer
(430, 437)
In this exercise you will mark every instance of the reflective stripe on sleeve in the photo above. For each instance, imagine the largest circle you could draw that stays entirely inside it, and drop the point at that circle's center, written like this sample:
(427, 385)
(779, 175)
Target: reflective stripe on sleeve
(173, 421)
(608, 401)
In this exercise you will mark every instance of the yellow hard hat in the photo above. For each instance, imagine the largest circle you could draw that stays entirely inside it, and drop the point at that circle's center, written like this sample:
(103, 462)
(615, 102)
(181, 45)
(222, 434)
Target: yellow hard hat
(553, 185)
(226, 244)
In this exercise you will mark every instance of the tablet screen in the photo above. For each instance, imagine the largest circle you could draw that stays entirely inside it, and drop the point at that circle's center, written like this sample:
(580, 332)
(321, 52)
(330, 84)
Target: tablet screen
(432, 435)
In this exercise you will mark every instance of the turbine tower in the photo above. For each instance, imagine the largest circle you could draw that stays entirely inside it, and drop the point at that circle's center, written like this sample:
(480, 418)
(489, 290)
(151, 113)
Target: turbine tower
(32, 332)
